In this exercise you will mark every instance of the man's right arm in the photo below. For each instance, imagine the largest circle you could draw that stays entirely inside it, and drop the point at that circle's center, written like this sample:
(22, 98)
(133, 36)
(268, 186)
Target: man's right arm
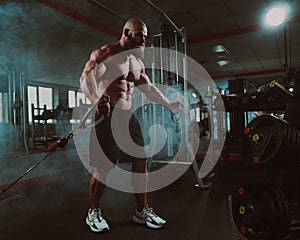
(91, 74)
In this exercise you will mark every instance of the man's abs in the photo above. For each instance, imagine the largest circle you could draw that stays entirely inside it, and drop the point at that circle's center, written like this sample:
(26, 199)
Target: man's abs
(120, 93)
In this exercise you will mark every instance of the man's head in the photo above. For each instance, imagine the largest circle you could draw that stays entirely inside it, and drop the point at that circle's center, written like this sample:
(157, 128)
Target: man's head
(134, 36)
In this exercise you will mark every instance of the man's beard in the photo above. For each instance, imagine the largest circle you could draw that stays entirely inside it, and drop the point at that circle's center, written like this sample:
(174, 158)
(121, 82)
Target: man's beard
(135, 49)
(139, 52)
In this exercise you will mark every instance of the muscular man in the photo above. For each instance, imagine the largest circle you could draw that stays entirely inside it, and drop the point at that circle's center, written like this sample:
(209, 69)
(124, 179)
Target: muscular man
(128, 72)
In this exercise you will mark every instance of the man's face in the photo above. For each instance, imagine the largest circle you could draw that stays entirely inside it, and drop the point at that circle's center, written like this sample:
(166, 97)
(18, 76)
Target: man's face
(137, 40)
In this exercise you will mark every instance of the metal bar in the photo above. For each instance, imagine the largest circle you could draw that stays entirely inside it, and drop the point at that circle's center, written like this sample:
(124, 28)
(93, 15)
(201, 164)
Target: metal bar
(108, 9)
(32, 126)
(176, 57)
(14, 118)
(157, 35)
(166, 16)
(171, 162)
(10, 99)
(24, 111)
(161, 60)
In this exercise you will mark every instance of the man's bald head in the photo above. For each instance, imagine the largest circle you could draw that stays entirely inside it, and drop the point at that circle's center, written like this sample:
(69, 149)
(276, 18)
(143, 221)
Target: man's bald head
(134, 36)
(134, 24)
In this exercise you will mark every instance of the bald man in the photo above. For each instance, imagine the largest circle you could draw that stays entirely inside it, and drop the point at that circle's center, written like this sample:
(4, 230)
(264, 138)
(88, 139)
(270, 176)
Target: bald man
(115, 95)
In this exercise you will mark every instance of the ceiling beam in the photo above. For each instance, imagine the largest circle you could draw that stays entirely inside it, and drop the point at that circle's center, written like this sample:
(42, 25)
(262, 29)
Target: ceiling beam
(233, 32)
(78, 16)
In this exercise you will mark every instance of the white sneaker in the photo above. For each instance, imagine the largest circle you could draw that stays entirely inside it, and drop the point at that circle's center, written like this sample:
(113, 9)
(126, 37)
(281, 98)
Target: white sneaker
(148, 216)
(95, 221)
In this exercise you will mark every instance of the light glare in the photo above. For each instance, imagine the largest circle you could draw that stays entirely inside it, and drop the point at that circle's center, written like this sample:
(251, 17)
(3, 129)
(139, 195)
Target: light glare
(276, 16)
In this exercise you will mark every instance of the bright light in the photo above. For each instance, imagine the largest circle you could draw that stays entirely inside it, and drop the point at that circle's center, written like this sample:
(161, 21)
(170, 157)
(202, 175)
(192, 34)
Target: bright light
(276, 16)
(219, 49)
(194, 95)
(222, 63)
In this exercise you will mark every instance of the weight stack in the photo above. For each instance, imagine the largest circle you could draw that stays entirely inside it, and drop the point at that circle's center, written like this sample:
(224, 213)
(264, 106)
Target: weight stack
(272, 142)
(272, 147)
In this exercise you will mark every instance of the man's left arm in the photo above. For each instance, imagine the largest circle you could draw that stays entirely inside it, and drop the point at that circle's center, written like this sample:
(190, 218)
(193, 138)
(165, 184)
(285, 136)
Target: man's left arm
(154, 94)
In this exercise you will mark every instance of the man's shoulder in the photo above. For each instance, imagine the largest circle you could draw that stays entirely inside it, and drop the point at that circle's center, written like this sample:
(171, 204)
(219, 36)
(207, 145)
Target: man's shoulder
(101, 53)
(107, 47)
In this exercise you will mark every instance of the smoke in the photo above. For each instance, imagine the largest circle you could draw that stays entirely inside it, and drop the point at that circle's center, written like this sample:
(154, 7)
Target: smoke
(43, 42)
(9, 140)
(150, 114)
(172, 123)
(17, 28)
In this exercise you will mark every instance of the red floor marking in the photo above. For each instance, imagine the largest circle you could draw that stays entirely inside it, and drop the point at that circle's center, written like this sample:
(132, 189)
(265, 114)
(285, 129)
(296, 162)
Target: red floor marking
(38, 181)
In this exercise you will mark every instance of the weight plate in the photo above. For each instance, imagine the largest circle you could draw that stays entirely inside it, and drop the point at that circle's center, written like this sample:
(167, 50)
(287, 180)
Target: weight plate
(260, 218)
(281, 206)
(261, 150)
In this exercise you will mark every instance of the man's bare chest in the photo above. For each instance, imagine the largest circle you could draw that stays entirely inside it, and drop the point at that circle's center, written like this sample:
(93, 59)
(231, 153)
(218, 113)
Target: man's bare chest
(128, 69)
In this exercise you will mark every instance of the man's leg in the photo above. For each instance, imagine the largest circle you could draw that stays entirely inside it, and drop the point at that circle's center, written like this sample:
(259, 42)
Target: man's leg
(143, 213)
(96, 190)
(94, 218)
(139, 183)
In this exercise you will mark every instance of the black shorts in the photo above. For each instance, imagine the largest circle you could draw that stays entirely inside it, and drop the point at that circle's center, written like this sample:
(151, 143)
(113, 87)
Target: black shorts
(107, 142)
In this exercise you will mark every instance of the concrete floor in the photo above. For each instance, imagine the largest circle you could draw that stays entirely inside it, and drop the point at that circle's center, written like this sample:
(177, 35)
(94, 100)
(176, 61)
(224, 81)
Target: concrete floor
(57, 210)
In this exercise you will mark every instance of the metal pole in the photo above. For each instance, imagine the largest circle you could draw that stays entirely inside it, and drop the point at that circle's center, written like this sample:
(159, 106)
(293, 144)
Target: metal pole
(9, 98)
(161, 60)
(176, 57)
(21, 111)
(108, 9)
(14, 98)
(24, 111)
(166, 16)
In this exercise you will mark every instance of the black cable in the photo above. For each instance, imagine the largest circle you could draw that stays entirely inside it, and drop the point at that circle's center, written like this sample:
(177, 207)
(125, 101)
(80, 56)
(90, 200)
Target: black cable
(62, 142)
(29, 170)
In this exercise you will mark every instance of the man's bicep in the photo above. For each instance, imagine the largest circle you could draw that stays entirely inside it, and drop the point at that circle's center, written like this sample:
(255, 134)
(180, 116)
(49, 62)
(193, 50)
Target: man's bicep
(91, 76)
(89, 66)
(93, 70)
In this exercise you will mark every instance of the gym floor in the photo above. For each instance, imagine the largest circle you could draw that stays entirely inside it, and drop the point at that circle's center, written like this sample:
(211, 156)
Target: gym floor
(58, 210)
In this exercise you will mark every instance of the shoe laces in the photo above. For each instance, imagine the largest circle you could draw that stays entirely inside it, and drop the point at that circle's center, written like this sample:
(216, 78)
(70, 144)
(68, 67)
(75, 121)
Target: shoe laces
(96, 214)
(149, 211)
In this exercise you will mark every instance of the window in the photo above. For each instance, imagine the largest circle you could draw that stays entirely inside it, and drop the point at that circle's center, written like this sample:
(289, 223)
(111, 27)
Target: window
(71, 99)
(75, 98)
(3, 107)
(80, 98)
(45, 97)
(39, 96)
(32, 99)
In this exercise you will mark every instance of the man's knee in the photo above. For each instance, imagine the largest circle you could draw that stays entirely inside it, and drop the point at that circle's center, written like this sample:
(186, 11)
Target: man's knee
(139, 166)
(101, 173)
